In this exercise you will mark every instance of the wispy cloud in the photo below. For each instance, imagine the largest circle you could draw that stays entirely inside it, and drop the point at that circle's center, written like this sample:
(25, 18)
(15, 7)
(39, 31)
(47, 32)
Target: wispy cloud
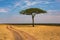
(46, 2)
(29, 3)
(3, 10)
(53, 12)
(17, 4)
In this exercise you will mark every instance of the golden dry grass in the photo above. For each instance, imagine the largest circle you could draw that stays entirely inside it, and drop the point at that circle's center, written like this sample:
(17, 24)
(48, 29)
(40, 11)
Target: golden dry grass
(5, 34)
(41, 32)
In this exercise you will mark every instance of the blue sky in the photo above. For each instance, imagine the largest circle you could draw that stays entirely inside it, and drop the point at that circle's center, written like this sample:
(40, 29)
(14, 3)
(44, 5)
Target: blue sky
(9, 11)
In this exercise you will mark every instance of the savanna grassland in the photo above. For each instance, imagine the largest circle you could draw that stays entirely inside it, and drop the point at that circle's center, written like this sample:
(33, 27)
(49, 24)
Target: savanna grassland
(27, 32)
(41, 32)
(5, 34)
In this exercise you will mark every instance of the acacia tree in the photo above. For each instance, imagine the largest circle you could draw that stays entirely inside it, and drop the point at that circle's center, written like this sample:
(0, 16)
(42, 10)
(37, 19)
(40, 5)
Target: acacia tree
(33, 12)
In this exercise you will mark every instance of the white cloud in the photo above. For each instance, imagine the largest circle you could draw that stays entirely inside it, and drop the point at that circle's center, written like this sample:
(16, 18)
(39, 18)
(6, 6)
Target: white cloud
(29, 3)
(47, 2)
(17, 4)
(3, 10)
(54, 12)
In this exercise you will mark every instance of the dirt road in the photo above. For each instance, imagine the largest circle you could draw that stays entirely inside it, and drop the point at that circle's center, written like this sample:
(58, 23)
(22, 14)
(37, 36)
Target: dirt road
(15, 33)
(20, 35)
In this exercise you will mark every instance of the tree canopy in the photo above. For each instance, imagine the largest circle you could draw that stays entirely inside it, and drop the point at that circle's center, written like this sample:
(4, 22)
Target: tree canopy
(29, 11)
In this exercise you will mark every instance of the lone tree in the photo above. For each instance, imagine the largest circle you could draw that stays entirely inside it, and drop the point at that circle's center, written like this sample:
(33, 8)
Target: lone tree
(33, 12)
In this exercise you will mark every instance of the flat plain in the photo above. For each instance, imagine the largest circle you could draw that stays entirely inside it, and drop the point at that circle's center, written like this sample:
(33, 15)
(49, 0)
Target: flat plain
(27, 32)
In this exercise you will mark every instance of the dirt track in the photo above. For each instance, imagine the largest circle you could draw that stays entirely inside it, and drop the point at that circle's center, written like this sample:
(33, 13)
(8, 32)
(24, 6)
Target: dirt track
(20, 35)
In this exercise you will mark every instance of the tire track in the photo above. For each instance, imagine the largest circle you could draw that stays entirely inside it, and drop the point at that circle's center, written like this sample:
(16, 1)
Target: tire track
(28, 36)
(23, 35)
(15, 33)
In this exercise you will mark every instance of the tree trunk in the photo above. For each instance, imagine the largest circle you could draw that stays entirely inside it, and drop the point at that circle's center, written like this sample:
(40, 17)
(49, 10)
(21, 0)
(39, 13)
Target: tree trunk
(33, 21)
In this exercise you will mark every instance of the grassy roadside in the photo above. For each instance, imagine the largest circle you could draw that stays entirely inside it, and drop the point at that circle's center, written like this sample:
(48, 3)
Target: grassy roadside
(41, 32)
(5, 34)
